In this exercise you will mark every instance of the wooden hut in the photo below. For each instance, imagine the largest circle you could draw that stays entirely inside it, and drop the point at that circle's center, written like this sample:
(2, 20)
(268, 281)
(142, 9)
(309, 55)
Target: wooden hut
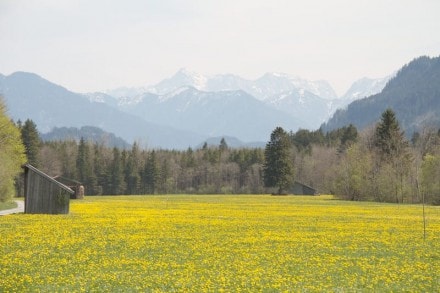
(76, 186)
(43, 194)
(299, 188)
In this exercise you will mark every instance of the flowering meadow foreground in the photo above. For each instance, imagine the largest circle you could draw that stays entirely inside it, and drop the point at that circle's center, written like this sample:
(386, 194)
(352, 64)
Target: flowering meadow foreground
(222, 243)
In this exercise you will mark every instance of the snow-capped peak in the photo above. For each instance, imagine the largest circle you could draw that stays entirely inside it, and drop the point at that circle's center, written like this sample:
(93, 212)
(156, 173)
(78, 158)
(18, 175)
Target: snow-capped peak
(194, 79)
(176, 92)
(181, 78)
(365, 87)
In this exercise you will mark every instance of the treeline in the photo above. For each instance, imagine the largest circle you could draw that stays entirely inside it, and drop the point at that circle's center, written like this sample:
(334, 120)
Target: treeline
(377, 164)
(113, 171)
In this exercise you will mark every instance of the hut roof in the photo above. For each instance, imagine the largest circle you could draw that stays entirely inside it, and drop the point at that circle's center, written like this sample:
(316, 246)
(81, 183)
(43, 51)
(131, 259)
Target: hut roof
(61, 178)
(30, 167)
(300, 183)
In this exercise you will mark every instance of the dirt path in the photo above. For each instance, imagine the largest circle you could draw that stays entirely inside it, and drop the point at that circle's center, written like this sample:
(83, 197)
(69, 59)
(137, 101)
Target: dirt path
(18, 209)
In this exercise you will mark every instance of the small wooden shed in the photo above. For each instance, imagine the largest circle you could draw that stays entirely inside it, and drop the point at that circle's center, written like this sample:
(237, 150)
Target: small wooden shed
(302, 189)
(43, 194)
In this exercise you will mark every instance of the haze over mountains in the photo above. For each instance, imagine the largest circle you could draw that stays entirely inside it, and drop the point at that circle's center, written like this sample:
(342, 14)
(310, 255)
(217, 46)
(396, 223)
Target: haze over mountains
(189, 108)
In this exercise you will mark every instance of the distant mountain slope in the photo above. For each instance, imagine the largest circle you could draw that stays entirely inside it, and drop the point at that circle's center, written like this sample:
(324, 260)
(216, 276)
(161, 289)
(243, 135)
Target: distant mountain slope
(232, 142)
(312, 102)
(365, 87)
(302, 105)
(29, 96)
(414, 94)
(88, 133)
(228, 113)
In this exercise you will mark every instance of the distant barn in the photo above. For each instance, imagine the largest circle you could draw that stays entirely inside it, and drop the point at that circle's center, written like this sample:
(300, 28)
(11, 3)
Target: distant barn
(76, 186)
(302, 189)
(43, 194)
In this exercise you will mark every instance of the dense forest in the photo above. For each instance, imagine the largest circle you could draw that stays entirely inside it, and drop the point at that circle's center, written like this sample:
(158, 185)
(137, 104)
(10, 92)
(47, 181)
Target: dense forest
(377, 164)
(219, 169)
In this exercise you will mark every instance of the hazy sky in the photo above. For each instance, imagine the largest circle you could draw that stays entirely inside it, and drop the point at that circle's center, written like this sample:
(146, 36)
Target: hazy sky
(93, 45)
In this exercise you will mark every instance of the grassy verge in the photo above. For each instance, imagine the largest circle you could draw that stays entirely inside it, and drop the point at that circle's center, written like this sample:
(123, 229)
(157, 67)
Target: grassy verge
(7, 205)
(189, 243)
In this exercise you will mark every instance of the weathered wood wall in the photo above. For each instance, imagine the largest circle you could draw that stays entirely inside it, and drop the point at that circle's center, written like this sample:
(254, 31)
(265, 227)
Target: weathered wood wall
(44, 195)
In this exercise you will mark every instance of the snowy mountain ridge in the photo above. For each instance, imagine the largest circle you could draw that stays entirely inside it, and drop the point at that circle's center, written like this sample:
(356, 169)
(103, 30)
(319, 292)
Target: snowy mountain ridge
(312, 102)
(268, 85)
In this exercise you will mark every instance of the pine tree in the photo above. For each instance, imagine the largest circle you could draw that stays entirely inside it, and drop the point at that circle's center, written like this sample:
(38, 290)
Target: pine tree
(223, 145)
(392, 149)
(278, 166)
(11, 154)
(132, 177)
(83, 164)
(389, 139)
(31, 141)
(151, 174)
(117, 182)
(100, 170)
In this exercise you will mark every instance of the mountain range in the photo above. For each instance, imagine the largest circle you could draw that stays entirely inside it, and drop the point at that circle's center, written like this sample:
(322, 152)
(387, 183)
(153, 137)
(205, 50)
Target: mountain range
(266, 86)
(185, 109)
(413, 94)
(28, 96)
(309, 102)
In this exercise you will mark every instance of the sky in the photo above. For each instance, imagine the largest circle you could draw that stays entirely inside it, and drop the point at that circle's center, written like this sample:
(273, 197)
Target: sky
(95, 45)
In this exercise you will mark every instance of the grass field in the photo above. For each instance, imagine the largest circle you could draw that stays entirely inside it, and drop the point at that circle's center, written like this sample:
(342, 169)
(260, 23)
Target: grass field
(222, 243)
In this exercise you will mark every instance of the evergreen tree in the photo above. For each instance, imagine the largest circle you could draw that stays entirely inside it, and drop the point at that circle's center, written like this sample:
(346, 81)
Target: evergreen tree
(188, 160)
(392, 149)
(100, 170)
(117, 183)
(31, 141)
(163, 177)
(278, 166)
(132, 177)
(11, 154)
(151, 174)
(349, 135)
(223, 145)
(389, 140)
(83, 164)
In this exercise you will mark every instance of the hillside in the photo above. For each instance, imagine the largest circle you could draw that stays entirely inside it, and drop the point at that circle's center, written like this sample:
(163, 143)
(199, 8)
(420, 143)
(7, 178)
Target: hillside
(225, 113)
(88, 133)
(413, 94)
(28, 96)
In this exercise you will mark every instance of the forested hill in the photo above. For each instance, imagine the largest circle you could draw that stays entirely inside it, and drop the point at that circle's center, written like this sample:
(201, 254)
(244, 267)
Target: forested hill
(88, 133)
(413, 94)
